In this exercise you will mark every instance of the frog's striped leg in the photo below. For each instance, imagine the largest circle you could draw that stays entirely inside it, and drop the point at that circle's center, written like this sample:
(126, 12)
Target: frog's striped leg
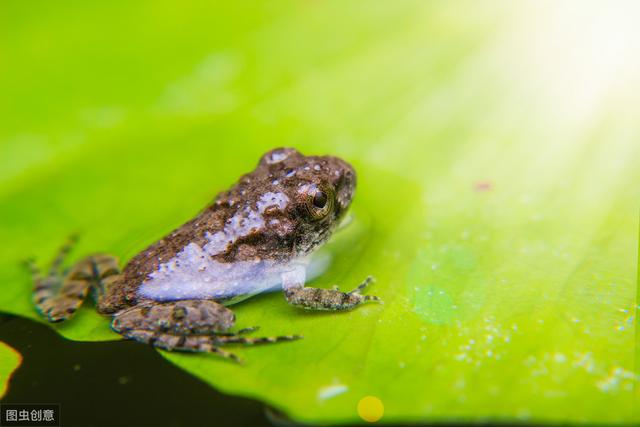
(47, 291)
(106, 274)
(235, 339)
(186, 325)
(56, 265)
(322, 299)
(177, 342)
(239, 331)
(45, 287)
(199, 343)
(58, 296)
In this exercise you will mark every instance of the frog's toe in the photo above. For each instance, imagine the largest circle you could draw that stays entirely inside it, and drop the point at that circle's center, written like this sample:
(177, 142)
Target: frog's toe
(366, 282)
(259, 340)
(357, 292)
(247, 330)
(227, 355)
(374, 298)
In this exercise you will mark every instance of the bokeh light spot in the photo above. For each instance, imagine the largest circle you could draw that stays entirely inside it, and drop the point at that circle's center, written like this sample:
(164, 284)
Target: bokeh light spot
(370, 409)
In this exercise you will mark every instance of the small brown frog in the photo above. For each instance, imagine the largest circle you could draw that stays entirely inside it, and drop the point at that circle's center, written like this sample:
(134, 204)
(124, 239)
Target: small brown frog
(257, 235)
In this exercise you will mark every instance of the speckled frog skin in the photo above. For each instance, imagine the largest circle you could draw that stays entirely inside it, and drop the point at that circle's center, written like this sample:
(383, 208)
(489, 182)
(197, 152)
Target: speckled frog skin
(259, 234)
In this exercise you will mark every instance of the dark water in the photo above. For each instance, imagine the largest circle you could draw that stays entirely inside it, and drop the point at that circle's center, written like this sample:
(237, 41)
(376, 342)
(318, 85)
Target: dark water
(117, 383)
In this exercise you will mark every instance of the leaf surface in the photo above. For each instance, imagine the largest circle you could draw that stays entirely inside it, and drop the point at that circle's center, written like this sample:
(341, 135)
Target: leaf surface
(497, 204)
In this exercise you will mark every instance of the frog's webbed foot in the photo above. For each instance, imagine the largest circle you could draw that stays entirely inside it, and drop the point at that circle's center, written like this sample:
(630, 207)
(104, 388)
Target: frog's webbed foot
(187, 325)
(59, 295)
(324, 299)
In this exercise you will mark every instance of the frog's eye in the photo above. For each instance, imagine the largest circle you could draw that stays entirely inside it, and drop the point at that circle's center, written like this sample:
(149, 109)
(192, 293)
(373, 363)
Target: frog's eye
(319, 202)
(320, 199)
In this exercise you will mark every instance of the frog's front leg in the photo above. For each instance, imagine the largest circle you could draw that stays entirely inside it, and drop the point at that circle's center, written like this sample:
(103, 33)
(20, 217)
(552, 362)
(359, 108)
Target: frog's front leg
(321, 299)
(186, 325)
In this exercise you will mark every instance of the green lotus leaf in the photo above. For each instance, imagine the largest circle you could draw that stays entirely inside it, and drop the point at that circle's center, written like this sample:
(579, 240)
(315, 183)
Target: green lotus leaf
(497, 203)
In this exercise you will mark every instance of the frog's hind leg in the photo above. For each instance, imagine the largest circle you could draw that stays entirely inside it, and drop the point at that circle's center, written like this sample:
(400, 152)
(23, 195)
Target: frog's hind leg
(200, 343)
(55, 296)
(58, 295)
(186, 325)
(186, 343)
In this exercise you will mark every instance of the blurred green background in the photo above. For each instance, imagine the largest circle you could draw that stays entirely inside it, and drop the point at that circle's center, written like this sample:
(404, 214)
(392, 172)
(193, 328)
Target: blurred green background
(497, 150)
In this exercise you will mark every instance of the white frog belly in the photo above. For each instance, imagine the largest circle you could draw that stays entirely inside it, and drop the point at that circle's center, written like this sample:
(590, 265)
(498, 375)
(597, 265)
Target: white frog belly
(193, 274)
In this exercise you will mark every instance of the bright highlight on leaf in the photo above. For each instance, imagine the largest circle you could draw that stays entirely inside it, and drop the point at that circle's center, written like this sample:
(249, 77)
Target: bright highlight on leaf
(496, 145)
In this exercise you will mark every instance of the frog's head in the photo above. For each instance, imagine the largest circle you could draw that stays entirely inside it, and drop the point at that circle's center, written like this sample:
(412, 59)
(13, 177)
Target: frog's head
(319, 190)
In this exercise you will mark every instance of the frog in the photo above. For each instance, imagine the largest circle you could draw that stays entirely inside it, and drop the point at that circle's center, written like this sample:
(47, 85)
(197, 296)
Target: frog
(258, 235)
